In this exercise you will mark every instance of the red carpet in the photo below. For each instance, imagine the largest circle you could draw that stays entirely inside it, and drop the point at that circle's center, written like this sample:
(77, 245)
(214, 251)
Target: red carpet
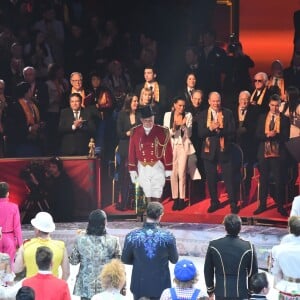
(197, 213)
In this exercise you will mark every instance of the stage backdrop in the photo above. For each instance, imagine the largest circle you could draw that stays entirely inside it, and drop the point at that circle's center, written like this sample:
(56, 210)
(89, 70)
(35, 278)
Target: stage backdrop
(84, 172)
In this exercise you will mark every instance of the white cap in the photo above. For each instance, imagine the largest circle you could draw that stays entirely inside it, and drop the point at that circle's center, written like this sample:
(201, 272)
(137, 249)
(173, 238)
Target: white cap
(43, 221)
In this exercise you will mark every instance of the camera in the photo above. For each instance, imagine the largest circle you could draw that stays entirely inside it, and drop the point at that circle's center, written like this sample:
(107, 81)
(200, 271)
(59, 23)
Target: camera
(233, 43)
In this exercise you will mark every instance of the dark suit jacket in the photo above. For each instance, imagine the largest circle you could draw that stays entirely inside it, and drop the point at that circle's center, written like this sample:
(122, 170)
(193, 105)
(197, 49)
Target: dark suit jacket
(75, 142)
(281, 138)
(245, 132)
(232, 261)
(149, 250)
(228, 132)
(41, 98)
(123, 125)
(212, 68)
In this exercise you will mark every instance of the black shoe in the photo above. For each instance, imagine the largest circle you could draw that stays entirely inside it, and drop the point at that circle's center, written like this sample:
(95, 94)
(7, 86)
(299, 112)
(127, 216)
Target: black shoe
(181, 204)
(213, 207)
(282, 211)
(259, 210)
(235, 209)
(175, 204)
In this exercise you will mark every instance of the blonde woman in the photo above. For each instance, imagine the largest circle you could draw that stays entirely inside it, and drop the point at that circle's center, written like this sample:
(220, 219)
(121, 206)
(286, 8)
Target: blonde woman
(113, 281)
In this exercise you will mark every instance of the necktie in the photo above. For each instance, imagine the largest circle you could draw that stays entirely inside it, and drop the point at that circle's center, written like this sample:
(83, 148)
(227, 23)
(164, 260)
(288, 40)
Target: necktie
(272, 123)
(76, 115)
(276, 81)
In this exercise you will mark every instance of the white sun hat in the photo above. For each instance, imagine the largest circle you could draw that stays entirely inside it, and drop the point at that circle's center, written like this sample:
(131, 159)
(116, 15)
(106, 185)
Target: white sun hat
(43, 221)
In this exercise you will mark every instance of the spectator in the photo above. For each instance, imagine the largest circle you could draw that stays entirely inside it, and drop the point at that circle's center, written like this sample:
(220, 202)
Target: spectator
(186, 276)
(259, 286)
(276, 77)
(179, 123)
(113, 281)
(260, 96)
(149, 250)
(229, 263)
(76, 80)
(10, 224)
(76, 128)
(216, 128)
(190, 85)
(25, 293)
(295, 210)
(3, 116)
(285, 264)
(128, 118)
(272, 131)
(25, 127)
(43, 225)
(58, 87)
(45, 285)
(39, 91)
(92, 251)
(159, 90)
(6, 274)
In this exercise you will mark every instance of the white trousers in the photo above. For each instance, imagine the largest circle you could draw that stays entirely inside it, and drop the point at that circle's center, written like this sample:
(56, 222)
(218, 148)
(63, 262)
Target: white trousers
(152, 179)
(178, 176)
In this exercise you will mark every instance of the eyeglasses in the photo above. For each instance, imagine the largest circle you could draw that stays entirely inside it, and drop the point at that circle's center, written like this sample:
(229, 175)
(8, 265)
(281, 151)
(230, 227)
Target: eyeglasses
(258, 80)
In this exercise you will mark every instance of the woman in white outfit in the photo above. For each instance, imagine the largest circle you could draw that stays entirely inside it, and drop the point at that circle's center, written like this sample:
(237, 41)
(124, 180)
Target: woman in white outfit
(179, 123)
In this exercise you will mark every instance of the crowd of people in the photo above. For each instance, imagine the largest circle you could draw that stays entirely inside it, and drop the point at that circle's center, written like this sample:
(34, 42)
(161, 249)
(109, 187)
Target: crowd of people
(230, 266)
(115, 96)
(215, 102)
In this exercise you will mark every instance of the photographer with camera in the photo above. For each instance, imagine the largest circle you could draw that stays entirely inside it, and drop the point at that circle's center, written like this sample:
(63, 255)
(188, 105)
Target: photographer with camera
(237, 76)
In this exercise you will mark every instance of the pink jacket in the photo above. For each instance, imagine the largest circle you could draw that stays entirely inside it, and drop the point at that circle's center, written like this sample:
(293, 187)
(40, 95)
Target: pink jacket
(10, 219)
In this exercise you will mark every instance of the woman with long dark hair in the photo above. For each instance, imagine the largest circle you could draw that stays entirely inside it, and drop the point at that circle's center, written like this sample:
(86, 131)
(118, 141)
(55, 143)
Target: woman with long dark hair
(92, 250)
(127, 119)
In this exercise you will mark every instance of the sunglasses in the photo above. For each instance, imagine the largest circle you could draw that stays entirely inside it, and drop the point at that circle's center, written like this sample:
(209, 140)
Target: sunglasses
(257, 80)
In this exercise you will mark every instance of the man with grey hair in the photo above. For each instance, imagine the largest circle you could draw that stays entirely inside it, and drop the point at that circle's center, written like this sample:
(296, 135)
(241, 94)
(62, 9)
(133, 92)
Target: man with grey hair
(246, 117)
(229, 263)
(260, 96)
(149, 250)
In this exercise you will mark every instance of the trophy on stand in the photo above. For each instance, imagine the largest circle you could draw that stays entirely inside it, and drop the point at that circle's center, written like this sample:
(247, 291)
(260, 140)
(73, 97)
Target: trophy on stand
(92, 148)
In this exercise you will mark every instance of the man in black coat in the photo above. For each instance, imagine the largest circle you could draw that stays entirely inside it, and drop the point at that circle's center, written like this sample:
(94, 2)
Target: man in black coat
(229, 263)
(149, 249)
(246, 117)
(76, 128)
(273, 130)
(159, 92)
(216, 128)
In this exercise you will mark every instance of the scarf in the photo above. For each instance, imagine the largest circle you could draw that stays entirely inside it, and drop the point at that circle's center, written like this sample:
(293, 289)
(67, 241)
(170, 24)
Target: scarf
(32, 114)
(261, 97)
(272, 147)
(220, 118)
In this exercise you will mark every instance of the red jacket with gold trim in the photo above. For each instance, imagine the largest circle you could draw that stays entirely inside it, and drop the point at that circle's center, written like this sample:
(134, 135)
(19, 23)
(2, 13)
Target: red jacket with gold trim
(150, 148)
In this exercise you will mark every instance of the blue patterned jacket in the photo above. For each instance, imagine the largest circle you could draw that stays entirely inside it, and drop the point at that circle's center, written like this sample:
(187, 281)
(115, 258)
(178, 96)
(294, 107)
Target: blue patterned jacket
(149, 250)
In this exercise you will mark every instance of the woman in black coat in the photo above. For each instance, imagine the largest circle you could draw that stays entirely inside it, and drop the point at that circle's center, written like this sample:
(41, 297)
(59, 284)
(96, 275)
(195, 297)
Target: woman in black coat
(128, 117)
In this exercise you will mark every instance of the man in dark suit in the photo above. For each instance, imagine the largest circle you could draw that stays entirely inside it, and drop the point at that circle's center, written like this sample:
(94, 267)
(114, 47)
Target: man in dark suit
(216, 128)
(212, 62)
(159, 92)
(76, 128)
(149, 250)
(39, 91)
(229, 263)
(246, 116)
(273, 130)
